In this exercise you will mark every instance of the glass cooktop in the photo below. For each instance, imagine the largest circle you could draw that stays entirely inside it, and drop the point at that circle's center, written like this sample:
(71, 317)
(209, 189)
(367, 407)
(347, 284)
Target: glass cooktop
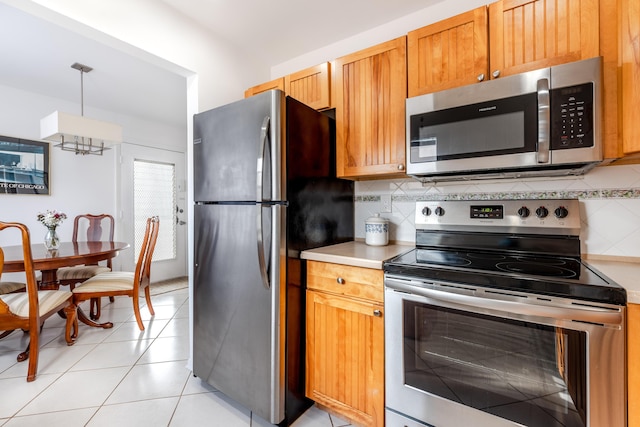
(555, 276)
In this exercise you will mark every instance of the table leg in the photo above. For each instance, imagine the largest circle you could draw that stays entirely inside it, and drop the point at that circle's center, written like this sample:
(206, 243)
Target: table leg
(85, 319)
(49, 280)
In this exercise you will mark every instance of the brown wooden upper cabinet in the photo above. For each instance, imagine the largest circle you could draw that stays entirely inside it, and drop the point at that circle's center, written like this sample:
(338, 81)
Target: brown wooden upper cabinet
(530, 34)
(311, 86)
(510, 37)
(449, 53)
(630, 33)
(273, 84)
(370, 88)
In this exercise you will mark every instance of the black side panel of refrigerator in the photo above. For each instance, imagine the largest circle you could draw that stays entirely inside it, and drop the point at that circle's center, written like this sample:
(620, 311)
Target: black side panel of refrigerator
(320, 205)
(320, 213)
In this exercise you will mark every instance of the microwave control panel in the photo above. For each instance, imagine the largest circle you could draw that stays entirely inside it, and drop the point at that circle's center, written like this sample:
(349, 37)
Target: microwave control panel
(572, 117)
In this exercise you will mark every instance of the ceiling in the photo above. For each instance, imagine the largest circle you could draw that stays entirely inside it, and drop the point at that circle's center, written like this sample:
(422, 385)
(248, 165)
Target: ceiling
(279, 30)
(39, 57)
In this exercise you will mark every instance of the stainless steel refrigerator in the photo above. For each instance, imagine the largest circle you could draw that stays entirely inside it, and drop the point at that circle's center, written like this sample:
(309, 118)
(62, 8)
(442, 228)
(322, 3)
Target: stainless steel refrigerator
(265, 189)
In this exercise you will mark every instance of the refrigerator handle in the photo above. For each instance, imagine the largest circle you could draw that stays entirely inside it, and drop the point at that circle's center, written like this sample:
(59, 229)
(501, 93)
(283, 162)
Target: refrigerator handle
(262, 146)
(259, 198)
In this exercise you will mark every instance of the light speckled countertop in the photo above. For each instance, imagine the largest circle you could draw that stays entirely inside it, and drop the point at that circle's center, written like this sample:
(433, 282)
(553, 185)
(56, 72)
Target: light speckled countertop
(626, 274)
(357, 254)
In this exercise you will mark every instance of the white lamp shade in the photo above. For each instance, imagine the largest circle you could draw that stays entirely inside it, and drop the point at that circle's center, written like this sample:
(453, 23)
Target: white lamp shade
(58, 124)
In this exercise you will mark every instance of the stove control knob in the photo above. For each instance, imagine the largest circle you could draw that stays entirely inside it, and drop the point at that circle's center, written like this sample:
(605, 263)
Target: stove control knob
(561, 212)
(523, 212)
(426, 211)
(542, 212)
(439, 211)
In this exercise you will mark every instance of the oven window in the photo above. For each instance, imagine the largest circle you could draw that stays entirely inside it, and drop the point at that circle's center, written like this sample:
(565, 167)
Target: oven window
(524, 372)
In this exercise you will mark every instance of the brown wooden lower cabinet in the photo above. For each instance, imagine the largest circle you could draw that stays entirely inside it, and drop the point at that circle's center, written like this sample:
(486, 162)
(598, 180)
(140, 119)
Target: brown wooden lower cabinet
(633, 364)
(345, 351)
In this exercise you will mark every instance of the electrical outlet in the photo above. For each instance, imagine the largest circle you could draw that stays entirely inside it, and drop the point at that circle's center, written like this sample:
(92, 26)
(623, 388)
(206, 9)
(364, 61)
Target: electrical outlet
(385, 202)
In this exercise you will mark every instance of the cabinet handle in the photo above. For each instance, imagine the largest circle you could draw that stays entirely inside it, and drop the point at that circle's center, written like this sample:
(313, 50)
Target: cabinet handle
(480, 77)
(496, 74)
(340, 280)
(377, 313)
(400, 167)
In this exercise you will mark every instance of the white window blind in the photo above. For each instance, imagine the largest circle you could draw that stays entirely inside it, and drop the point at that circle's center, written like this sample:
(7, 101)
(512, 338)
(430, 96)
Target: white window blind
(155, 195)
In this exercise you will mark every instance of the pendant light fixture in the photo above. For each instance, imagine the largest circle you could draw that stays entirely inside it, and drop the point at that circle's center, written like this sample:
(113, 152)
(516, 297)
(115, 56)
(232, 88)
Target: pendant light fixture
(78, 133)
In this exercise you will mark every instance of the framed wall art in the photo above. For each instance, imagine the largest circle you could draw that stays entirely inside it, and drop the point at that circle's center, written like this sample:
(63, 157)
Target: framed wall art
(24, 166)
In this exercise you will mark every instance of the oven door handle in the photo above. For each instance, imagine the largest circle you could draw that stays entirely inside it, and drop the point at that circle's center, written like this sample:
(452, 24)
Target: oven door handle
(466, 302)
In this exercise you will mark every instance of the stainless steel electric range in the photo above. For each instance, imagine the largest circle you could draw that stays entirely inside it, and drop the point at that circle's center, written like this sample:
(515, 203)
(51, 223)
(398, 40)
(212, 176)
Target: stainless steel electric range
(495, 320)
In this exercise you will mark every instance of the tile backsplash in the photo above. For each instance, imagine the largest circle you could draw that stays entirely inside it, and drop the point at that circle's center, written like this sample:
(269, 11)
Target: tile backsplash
(609, 200)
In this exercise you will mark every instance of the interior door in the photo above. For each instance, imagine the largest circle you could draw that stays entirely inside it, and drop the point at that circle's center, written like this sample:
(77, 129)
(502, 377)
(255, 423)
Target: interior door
(143, 194)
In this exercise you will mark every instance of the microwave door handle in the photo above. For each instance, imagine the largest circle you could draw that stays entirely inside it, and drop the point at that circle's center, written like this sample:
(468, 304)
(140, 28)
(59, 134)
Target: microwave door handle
(262, 146)
(543, 121)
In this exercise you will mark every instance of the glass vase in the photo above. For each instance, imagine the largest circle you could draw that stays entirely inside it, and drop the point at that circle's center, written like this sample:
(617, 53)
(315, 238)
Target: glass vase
(51, 239)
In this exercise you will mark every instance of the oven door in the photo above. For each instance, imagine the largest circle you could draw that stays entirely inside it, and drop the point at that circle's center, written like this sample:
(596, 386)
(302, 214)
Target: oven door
(459, 355)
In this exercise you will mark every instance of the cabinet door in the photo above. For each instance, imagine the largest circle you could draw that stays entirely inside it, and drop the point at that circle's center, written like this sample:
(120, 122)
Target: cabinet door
(311, 86)
(633, 364)
(370, 91)
(273, 84)
(529, 34)
(630, 30)
(449, 53)
(611, 97)
(345, 357)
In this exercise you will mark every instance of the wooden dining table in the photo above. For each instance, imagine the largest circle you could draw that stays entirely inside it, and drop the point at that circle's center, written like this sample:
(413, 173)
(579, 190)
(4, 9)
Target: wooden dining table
(67, 255)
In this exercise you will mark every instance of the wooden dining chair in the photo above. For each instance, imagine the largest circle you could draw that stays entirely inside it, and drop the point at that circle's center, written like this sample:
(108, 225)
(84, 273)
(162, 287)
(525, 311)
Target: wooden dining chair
(28, 310)
(9, 288)
(115, 283)
(71, 276)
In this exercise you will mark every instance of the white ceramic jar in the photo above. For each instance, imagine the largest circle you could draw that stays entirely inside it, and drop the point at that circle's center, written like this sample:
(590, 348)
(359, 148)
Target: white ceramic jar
(376, 231)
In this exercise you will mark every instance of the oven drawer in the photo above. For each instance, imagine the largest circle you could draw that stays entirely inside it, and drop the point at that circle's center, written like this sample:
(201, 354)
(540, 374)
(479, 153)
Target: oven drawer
(358, 282)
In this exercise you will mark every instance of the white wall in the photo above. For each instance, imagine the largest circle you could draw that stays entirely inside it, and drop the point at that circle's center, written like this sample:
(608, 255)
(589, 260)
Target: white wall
(610, 196)
(78, 184)
(146, 25)
(382, 33)
(609, 204)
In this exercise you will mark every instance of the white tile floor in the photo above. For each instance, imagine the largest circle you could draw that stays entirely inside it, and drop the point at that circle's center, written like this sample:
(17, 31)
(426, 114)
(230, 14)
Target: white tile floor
(121, 376)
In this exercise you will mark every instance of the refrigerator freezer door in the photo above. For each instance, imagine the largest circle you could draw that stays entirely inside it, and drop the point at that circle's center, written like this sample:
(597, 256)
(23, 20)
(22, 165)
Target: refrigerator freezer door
(238, 344)
(229, 149)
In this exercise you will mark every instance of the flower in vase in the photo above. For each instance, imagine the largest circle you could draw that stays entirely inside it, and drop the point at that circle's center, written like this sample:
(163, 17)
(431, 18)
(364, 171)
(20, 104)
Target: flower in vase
(52, 219)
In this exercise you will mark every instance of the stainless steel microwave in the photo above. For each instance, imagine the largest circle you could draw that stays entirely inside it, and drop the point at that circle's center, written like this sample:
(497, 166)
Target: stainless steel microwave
(539, 123)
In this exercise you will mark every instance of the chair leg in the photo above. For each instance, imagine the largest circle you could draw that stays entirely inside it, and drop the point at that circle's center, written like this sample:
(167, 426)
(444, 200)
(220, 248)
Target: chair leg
(27, 351)
(72, 323)
(136, 311)
(147, 296)
(34, 347)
